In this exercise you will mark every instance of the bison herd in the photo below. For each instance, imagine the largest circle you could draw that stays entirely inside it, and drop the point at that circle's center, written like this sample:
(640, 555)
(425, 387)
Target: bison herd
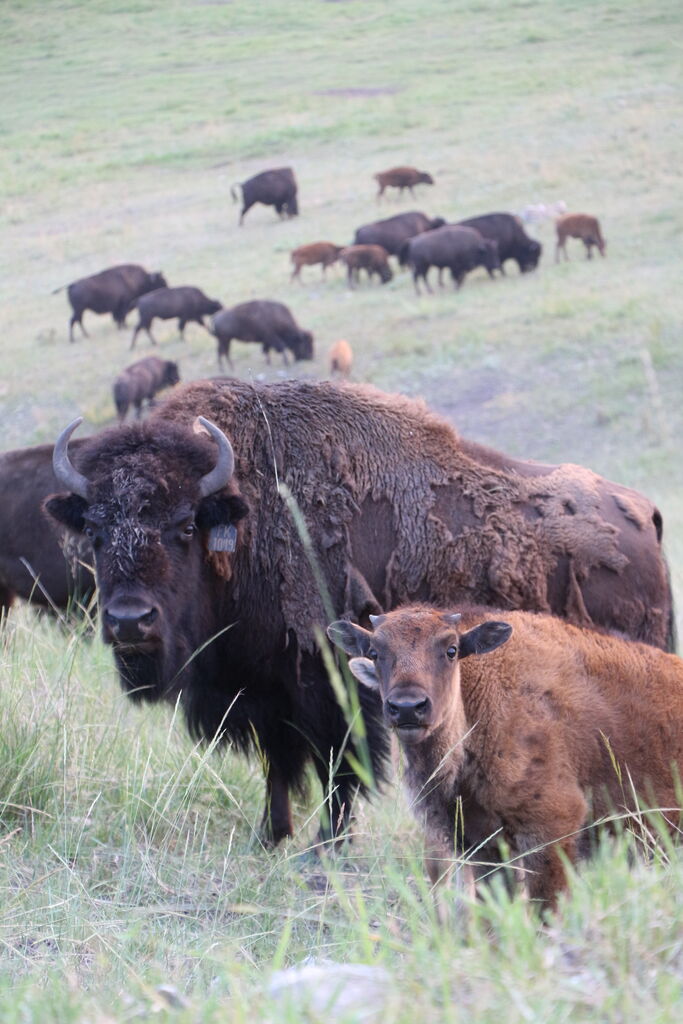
(509, 621)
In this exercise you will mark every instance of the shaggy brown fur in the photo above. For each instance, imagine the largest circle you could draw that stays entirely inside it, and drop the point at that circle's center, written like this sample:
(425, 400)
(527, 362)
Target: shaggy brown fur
(578, 225)
(371, 258)
(341, 358)
(400, 178)
(386, 485)
(549, 732)
(325, 253)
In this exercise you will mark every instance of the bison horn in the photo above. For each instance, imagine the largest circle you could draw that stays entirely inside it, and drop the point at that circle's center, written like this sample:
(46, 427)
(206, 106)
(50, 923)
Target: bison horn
(221, 473)
(61, 464)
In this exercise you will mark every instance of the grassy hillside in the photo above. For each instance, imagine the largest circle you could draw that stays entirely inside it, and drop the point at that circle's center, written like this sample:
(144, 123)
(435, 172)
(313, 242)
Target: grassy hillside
(129, 858)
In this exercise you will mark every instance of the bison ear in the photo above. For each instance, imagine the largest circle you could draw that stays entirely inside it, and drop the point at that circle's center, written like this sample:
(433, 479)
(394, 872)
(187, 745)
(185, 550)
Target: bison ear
(484, 638)
(365, 672)
(221, 510)
(351, 638)
(67, 509)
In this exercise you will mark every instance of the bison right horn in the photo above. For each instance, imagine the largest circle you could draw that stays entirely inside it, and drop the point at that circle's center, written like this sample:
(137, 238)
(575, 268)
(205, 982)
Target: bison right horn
(222, 472)
(61, 464)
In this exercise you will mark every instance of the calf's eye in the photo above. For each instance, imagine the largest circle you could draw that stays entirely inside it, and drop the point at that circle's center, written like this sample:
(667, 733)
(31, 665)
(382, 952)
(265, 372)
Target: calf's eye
(452, 652)
(372, 654)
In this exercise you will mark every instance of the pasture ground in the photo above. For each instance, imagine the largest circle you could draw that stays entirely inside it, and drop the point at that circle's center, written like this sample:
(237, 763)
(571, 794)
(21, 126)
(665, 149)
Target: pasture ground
(128, 858)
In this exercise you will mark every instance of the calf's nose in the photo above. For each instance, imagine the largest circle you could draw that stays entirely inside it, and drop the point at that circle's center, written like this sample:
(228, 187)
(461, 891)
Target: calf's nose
(129, 622)
(408, 711)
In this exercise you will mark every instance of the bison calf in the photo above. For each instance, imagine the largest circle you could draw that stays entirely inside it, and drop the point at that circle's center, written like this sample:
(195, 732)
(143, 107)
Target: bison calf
(143, 380)
(371, 258)
(578, 225)
(560, 728)
(325, 253)
(401, 178)
(341, 358)
(276, 187)
(264, 321)
(186, 303)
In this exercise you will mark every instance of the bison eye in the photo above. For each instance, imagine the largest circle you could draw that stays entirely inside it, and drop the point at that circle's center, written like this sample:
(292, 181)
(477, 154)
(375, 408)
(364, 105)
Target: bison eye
(372, 654)
(452, 652)
(89, 532)
(189, 530)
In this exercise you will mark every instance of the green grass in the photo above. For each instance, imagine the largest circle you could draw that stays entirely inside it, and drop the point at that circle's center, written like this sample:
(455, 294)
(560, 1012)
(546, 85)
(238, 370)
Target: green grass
(129, 858)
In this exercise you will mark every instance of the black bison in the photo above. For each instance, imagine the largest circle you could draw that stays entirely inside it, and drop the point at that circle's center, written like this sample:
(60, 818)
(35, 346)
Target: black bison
(186, 303)
(459, 249)
(261, 320)
(513, 241)
(35, 564)
(206, 589)
(553, 729)
(393, 232)
(373, 259)
(325, 253)
(143, 380)
(579, 225)
(400, 178)
(111, 291)
(272, 188)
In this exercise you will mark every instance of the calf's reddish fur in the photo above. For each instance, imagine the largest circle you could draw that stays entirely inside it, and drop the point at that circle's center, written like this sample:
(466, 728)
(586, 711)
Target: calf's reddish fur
(550, 731)
(578, 225)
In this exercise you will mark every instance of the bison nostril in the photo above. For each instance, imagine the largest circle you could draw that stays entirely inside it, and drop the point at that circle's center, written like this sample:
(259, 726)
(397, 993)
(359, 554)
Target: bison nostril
(421, 705)
(148, 618)
(129, 623)
(393, 709)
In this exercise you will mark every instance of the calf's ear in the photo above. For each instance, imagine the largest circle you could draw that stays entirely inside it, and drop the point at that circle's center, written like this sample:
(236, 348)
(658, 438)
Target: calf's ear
(484, 638)
(365, 672)
(351, 638)
(67, 509)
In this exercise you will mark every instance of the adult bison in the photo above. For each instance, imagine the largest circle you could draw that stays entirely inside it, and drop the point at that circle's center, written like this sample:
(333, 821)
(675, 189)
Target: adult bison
(206, 590)
(393, 232)
(34, 565)
(261, 320)
(186, 304)
(113, 290)
(457, 249)
(276, 187)
(513, 241)
(142, 381)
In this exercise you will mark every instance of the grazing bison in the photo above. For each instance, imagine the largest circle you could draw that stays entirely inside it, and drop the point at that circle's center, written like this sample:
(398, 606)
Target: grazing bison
(143, 380)
(513, 241)
(341, 358)
(186, 303)
(206, 589)
(34, 564)
(457, 248)
(325, 253)
(400, 178)
(373, 259)
(111, 291)
(560, 728)
(261, 320)
(392, 232)
(272, 188)
(578, 225)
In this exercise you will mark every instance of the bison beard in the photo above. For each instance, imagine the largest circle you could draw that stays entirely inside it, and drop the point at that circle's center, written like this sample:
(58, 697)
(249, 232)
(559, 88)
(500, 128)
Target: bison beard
(398, 508)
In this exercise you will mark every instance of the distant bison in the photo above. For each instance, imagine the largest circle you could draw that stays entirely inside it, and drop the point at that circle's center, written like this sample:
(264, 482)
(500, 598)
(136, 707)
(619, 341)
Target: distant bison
(143, 380)
(371, 258)
(341, 358)
(33, 562)
(400, 178)
(392, 232)
(513, 241)
(186, 303)
(272, 188)
(459, 249)
(113, 290)
(325, 253)
(264, 321)
(578, 225)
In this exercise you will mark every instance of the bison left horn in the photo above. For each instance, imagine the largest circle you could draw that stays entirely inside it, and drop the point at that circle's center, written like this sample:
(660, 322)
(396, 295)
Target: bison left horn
(61, 464)
(221, 473)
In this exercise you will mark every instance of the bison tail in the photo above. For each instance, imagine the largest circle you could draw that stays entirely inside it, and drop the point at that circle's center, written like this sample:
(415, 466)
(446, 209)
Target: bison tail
(60, 289)
(235, 197)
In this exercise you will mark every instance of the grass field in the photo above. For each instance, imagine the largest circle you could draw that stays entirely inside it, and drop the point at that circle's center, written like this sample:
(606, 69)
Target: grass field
(128, 857)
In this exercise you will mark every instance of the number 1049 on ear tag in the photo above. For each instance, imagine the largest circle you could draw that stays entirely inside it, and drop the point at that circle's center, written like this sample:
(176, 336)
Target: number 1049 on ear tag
(222, 538)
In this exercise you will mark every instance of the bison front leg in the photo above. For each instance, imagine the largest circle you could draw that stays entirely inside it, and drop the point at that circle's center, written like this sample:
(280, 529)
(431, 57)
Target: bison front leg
(543, 838)
(276, 823)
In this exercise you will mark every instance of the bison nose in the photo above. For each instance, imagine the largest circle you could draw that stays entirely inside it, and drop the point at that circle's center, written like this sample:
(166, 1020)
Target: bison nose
(128, 622)
(408, 711)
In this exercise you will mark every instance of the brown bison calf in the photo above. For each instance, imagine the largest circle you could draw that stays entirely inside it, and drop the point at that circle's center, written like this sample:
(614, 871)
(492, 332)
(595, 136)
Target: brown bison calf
(325, 253)
(341, 358)
(578, 225)
(143, 380)
(371, 258)
(400, 178)
(558, 729)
